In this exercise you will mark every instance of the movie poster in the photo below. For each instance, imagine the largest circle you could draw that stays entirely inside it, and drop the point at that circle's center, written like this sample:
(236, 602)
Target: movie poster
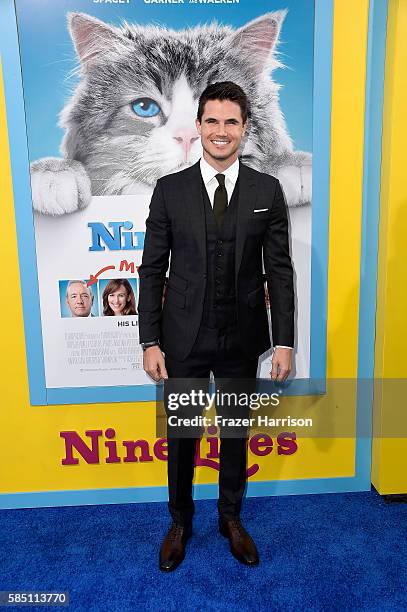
(111, 91)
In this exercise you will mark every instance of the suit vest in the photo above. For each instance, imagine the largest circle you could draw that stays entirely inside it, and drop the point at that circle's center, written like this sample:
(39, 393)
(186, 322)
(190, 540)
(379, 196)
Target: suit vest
(219, 309)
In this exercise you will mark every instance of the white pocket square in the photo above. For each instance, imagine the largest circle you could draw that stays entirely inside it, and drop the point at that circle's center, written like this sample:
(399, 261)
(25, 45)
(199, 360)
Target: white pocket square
(260, 209)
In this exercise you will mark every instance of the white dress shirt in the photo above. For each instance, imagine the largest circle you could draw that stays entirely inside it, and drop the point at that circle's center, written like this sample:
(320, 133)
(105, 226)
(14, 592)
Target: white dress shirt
(231, 173)
(211, 183)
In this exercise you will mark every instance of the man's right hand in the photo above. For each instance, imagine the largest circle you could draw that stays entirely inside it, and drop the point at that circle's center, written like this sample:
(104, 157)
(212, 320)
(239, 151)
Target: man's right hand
(154, 364)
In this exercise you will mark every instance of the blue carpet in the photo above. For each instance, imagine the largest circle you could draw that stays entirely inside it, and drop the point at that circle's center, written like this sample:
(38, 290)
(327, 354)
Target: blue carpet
(317, 552)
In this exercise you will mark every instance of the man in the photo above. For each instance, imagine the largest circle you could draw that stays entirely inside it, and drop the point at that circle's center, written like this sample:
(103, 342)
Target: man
(79, 298)
(219, 219)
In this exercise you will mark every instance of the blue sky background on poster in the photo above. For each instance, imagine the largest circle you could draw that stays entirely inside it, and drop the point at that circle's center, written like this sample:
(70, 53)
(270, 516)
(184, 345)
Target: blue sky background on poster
(48, 56)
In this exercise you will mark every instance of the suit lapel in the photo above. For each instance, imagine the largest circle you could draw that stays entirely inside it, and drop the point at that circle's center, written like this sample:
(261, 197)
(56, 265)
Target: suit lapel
(246, 202)
(196, 211)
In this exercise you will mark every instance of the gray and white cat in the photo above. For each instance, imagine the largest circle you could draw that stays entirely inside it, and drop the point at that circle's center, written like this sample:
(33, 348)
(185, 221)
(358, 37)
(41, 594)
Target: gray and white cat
(132, 116)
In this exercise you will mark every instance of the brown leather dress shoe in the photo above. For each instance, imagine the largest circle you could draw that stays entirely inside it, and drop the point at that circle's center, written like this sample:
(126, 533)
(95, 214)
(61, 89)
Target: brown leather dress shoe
(242, 546)
(172, 551)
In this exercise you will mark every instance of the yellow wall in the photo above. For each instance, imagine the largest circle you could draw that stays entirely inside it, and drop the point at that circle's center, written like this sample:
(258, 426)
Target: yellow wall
(389, 467)
(31, 449)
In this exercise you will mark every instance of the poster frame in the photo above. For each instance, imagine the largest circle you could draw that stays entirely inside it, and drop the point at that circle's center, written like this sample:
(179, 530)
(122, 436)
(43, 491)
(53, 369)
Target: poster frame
(321, 116)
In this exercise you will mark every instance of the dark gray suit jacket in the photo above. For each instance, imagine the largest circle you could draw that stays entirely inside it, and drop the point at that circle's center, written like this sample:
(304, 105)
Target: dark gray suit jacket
(176, 225)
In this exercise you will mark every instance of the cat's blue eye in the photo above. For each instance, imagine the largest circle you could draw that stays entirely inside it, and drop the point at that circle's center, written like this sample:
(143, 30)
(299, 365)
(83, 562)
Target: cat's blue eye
(145, 107)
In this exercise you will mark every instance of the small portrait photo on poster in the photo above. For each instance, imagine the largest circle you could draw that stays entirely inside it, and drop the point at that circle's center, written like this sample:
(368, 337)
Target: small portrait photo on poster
(77, 299)
(118, 297)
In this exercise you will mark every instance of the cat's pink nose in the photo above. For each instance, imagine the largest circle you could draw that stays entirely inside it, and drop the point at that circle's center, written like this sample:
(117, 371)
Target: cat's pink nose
(186, 138)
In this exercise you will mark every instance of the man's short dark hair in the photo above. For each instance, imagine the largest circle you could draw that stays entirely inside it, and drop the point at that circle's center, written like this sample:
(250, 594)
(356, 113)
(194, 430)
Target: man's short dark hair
(224, 90)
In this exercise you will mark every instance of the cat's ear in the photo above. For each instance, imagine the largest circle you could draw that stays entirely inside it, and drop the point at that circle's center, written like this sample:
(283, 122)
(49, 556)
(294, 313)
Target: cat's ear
(256, 40)
(91, 37)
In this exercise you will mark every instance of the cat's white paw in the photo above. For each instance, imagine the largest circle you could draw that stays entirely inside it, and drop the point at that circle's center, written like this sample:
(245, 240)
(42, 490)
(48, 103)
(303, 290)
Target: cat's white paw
(59, 186)
(296, 179)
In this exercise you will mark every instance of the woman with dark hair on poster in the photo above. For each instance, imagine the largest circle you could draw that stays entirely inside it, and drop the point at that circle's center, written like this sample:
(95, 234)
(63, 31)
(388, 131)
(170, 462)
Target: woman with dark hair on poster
(118, 298)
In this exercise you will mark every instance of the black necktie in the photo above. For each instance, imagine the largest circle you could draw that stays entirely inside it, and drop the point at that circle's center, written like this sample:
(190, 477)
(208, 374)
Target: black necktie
(220, 202)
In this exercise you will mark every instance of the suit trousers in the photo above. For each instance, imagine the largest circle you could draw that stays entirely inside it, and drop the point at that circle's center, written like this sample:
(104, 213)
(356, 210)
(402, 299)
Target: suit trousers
(217, 350)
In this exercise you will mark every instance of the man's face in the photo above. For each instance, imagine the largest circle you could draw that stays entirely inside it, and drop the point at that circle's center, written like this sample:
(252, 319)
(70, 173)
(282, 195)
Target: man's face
(79, 300)
(221, 130)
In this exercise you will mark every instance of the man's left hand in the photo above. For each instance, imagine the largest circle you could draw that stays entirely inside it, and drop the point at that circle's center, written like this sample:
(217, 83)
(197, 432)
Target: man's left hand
(281, 363)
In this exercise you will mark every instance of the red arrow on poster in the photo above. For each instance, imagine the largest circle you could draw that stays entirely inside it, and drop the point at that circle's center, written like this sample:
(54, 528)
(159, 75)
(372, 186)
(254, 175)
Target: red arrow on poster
(94, 277)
